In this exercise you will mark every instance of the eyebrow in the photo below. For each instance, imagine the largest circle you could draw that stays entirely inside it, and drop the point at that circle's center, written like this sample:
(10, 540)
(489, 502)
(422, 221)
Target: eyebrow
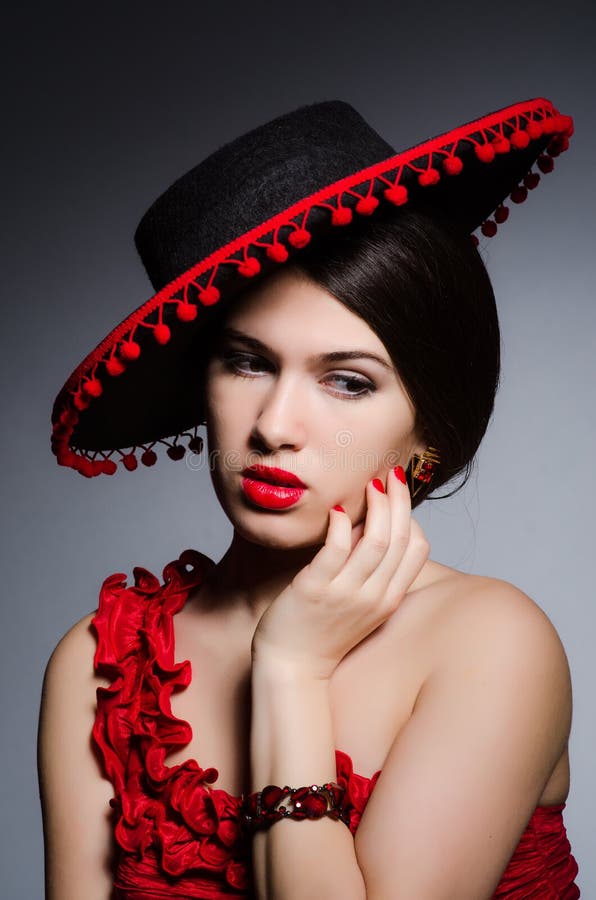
(332, 356)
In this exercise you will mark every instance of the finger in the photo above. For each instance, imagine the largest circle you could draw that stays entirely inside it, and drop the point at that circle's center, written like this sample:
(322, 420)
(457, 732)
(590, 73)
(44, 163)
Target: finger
(374, 542)
(413, 560)
(400, 507)
(330, 559)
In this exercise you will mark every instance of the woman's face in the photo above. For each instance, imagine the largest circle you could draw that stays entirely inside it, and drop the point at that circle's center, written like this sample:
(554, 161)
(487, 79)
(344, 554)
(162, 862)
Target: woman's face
(273, 399)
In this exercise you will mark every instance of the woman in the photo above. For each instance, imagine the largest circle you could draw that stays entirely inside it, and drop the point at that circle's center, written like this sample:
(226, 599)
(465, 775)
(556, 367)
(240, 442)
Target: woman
(321, 307)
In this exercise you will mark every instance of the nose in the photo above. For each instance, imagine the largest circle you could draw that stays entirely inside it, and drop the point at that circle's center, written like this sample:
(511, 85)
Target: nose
(280, 419)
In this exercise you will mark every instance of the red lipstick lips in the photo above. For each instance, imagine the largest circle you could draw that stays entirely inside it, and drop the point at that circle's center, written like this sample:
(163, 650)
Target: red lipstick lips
(272, 488)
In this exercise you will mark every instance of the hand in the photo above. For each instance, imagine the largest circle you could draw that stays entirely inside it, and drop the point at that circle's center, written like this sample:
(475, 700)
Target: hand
(348, 589)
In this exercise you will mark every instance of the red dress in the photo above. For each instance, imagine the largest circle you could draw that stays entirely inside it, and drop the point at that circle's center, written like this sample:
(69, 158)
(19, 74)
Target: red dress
(178, 837)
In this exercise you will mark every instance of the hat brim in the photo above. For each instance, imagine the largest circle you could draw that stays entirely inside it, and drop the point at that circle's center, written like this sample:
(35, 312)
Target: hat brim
(140, 386)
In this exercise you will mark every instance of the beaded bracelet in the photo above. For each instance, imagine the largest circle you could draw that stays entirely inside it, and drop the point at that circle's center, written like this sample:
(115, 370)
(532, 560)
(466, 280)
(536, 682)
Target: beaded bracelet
(261, 809)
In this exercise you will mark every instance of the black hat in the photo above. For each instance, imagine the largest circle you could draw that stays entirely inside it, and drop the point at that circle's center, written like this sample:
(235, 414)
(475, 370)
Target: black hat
(245, 210)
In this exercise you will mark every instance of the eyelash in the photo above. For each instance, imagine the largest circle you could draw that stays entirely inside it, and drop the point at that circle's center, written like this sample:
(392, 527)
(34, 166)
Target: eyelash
(368, 387)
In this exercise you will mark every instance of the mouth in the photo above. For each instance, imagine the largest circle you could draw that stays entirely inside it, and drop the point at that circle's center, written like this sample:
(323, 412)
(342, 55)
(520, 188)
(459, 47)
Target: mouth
(270, 475)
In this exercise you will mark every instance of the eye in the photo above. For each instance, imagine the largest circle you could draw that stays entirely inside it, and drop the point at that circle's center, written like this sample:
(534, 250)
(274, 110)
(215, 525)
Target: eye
(247, 365)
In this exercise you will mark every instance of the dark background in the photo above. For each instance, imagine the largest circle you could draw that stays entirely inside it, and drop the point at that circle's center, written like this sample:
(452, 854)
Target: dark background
(105, 105)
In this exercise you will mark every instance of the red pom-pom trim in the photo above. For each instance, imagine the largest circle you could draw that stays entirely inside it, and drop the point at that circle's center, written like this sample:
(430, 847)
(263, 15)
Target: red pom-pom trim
(178, 451)
(130, 350)
(299, 238)
(341, 216)
(277, 252)
(545, 163)
(130, 462)
(453, 165)
(186, 312)
(396, 194)
(485, 152)
(431, 176)
(501, 214)
(519, 139)
(108, 466)
(209, 295)
(367, 205)
(534, 129)
(531, 180)
(149, 458)
(250, 267)
(489, 228)
(93, 387)
(195, 445)
(519, 194)
(162, 334)
(115, 366)
(80, 401)
(501, 145)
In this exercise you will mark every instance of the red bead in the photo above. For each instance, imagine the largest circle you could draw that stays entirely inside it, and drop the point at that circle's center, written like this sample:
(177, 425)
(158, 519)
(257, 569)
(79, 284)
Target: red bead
(299, 238)
(270, 796)
(314, 804)
(396, 194)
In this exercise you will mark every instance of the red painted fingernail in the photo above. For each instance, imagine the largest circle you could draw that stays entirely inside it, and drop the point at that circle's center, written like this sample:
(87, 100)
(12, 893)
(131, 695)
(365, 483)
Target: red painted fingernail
(399, 473)
(378, 484)
(339, 508)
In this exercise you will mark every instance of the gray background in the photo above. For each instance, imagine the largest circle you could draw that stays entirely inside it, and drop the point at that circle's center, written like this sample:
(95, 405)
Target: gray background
(107, 104)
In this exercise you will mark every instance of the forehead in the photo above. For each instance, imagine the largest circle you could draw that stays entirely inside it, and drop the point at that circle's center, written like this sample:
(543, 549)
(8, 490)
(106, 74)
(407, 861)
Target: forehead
(287, 307)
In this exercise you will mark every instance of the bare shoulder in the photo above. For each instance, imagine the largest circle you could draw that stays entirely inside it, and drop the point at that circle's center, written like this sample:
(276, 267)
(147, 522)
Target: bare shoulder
(74, 654)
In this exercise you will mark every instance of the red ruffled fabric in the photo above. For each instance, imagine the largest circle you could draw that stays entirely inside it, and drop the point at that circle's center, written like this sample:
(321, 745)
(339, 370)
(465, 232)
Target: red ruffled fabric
(176, 835)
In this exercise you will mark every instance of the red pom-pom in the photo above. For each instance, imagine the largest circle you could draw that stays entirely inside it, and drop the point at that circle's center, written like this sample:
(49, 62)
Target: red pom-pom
(531, 180)
(277, 252)
(501, 214)
(115, 366)
(81, 401)
(84, 466)
(453, 165)
(431, 176)
(186, 312)
(250, 267)
(97, 466)
(549, 125)
(534, 129)
(130, 350)
(489, 228)
(501, 145)
(195, 445)
(519, 194)
(519, 139)
(66, 458)
(130, 462)
(209, 295)
(367, 205)
(341, 216)
(149, 458)
(299, 238)
(93, 387)
(396, 194)
(558, 145)
(474, 239)
(485, 152)
(545, 163)
(566, 125)
(162, 334)
(178, 451)
(108, 466)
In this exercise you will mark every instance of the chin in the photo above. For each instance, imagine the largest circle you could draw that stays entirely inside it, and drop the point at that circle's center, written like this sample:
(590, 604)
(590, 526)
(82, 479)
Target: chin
(279, 531)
